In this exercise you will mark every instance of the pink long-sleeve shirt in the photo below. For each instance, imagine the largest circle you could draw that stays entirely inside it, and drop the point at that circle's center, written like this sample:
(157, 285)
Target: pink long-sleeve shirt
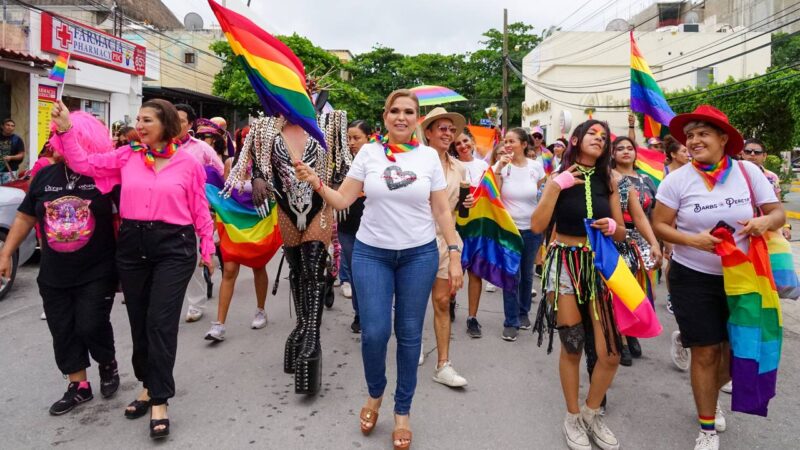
(203, 153)
(175, 194)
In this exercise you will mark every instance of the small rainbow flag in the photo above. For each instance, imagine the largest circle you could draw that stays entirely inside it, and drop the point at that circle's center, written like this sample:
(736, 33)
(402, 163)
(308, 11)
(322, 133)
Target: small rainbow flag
(274, 71)
(633, 312)
(59, 70)
(755, 325)
(547, 161)
(492, 243)
(646, 96)
(650, 163)
(244, 237)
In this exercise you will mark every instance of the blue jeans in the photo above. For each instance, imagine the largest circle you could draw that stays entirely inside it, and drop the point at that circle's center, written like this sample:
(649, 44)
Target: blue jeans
(405, 276)
(345, 274)
(518, 303)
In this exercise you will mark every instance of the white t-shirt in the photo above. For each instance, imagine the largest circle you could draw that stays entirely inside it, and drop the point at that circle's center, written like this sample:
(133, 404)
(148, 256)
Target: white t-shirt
(700, 210)
(397, 211)
(520, 190)
(475, 169)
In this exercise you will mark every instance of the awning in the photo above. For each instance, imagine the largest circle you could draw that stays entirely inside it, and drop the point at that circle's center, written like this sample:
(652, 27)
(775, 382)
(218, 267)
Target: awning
(183, 95)
(26, 58)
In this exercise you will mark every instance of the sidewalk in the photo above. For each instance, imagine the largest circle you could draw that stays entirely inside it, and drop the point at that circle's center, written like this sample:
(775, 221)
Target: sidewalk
(792, 203)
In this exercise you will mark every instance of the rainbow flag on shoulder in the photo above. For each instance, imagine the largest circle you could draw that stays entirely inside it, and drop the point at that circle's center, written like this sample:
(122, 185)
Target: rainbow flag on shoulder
(492, 243)
(755, 324)
(646, 96)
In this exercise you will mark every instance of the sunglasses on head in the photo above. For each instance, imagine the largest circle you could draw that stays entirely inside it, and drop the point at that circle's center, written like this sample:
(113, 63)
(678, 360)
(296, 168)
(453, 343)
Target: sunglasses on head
(753, 152)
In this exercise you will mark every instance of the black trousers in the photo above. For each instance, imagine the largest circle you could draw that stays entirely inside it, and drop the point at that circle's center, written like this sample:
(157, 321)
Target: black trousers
(78, 318)
(155, 261)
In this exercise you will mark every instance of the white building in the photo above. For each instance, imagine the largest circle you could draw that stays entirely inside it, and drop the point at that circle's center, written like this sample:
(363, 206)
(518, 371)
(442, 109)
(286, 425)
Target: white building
(571, 75)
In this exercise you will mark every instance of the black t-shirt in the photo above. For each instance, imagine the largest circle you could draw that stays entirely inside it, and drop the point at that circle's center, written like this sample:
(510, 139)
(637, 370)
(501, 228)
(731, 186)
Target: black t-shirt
(75, 225)
(353, 221)
(571, 209)
(9, 146)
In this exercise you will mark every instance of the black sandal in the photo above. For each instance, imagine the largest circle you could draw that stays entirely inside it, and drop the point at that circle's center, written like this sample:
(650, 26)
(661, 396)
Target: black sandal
(158, 434)
(140, 408)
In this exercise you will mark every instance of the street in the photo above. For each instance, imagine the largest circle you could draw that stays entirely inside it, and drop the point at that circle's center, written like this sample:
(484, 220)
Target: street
(235, 394)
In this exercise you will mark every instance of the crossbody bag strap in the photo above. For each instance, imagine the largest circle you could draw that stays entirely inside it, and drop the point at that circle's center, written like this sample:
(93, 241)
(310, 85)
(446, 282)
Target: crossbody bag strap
(756, 210)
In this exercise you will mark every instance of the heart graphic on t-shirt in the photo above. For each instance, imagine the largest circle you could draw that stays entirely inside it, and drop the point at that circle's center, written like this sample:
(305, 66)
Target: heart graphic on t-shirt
(397, 178)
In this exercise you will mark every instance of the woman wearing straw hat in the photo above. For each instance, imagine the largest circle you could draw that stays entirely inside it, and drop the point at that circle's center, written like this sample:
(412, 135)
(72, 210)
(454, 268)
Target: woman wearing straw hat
(696, 197)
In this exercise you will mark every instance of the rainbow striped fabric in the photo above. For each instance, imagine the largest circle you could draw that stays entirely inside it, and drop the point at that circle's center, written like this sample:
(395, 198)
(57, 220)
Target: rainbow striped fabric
(436, 95)
(780, 259)
(59, 70)
(755, 325)
(274, 71)
(633, 312)
(244, 237)
(547, 161)
(650, 163)
(492, 243)
(646, 96)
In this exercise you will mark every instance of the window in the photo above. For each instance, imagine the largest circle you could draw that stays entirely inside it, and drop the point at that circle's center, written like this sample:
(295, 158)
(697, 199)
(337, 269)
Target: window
(189, 58)
(705, 76)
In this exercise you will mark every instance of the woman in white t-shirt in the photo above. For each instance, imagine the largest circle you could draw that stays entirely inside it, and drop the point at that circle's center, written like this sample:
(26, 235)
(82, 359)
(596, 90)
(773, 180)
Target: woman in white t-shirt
(696, 197)
(519, 180)
(395, 257)
(465, 151)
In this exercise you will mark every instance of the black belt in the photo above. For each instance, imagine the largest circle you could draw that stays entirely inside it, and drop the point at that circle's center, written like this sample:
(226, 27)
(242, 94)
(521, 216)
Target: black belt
(153, 224)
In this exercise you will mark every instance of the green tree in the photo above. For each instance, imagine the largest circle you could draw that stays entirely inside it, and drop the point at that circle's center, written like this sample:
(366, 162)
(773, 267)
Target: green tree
(785, 50)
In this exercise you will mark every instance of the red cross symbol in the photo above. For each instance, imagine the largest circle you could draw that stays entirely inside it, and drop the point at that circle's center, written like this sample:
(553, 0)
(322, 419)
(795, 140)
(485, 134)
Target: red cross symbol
(64, 36)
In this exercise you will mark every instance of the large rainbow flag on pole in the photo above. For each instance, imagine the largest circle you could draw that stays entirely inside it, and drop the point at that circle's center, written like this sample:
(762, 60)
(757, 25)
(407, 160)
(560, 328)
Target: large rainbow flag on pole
(633, 312)
(244, 236)
(646, 96)
(492, 243)
(274, 71)
(651, 163)
(755, 325)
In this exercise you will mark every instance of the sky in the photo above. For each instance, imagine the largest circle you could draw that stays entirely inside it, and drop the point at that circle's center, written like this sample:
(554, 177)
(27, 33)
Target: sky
(416, 26)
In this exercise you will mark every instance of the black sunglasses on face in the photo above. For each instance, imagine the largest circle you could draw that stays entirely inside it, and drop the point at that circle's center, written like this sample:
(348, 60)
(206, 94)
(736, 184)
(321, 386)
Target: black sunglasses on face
(753, 152)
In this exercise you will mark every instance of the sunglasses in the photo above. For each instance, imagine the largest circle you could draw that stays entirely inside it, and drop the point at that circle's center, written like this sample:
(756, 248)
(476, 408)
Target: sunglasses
(445, 129)
(753, 152)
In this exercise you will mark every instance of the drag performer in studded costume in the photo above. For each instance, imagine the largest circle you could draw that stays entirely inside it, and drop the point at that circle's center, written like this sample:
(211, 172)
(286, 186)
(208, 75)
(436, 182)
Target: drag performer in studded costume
(305, 221)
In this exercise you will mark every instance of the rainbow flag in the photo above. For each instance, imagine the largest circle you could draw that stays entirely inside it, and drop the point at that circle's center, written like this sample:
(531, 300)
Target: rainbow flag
(646, 96)
(59, 70)
(755, 325)
(633, 312)
(650, 163)
(274, 71)
(492, 243)
(547, 161)
(244, 237)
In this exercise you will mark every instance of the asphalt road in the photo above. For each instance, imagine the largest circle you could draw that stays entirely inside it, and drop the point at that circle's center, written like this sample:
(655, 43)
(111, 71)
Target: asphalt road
(235, 394)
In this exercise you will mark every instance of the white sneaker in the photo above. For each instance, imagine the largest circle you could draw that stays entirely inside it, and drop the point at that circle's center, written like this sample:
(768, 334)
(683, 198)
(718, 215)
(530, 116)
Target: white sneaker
(347, 290)
(720, 424)
(726, 388)
(216, 333)
(337, 282)
(260, 320)
(43, 316)
(706, 441)
(448, 376)
(421, 354)
(193, 314)
(575, 433)
(680, 354)
(490, 287)
(597, 429)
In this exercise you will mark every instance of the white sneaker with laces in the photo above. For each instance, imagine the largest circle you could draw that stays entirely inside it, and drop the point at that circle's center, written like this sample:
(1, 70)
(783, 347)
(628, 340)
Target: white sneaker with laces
(347, 290)
(490, 287)
(193, 314)
(421, 354)
(260, 320)
(597, 429)
(448, 376)
(706, 441)
(680, 354)
(727, 387)
(575, 433)
(216, 333)
(720, 424)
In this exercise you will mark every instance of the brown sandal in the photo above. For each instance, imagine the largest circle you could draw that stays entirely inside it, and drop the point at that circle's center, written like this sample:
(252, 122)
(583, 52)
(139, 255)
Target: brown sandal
(369, 416)
(401, 434)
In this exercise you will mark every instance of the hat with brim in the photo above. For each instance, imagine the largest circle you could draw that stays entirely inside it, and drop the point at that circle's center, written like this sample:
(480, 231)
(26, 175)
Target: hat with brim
(440, 113)
(710, 115)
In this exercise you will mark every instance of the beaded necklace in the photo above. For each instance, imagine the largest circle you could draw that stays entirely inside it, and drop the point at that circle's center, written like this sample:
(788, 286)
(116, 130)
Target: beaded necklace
(151, 153)
(587, 177)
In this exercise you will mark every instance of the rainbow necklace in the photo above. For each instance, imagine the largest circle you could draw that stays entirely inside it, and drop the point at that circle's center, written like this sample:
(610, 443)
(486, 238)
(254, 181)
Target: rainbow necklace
(714, 173)
(391, 149)
(150, 154)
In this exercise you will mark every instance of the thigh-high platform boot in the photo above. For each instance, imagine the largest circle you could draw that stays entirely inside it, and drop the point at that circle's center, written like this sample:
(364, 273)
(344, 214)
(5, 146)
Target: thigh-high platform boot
(308, 367)
(296, 285)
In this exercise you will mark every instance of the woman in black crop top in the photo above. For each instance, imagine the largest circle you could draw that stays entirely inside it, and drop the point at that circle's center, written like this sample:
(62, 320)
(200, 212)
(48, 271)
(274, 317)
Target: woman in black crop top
(581, 309)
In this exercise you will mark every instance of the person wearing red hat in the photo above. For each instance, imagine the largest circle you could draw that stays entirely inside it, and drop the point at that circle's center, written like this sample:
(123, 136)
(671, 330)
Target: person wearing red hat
(691, 201)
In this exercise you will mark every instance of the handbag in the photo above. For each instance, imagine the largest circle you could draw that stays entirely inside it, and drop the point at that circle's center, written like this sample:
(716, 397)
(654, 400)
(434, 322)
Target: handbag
(780, 253)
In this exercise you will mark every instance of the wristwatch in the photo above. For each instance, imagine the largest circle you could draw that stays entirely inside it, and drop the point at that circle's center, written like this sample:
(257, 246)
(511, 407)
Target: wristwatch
(453, 248)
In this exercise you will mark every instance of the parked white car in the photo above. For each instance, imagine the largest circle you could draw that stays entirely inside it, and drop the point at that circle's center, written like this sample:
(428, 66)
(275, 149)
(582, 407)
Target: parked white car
(10, 199)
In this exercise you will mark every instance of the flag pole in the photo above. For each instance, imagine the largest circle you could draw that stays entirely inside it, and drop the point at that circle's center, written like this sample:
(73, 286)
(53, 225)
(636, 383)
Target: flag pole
(60, 87)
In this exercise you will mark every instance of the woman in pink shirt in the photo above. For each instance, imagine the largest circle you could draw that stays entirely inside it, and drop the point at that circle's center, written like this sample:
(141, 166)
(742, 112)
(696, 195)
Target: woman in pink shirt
(163, 205)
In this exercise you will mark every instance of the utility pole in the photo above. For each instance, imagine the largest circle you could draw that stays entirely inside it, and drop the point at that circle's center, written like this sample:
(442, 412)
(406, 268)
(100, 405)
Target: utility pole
(505, 69)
